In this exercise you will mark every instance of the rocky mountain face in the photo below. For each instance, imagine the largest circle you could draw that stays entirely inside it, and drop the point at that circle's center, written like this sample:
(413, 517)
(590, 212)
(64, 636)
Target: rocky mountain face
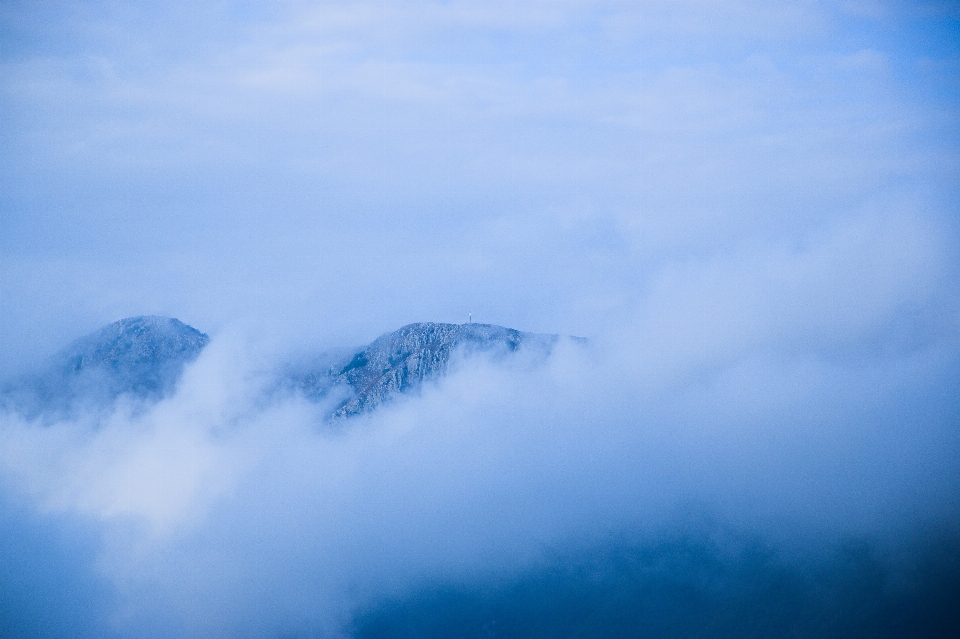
(399, 362)
(138, 356)
(143, 357)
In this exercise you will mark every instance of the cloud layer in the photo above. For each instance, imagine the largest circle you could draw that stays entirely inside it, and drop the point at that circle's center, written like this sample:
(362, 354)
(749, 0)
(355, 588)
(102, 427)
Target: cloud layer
(229, 510)
(749, 209)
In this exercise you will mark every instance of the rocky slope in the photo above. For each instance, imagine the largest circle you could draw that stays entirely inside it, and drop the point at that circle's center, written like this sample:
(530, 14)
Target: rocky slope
(399, 362)
(138, 356)
(143, 357)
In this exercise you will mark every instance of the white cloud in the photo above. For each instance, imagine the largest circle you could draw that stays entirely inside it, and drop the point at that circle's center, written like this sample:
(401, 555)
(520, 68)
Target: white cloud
(748, 219)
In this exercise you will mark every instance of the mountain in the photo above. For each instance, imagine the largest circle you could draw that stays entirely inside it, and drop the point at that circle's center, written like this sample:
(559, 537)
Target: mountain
(139, 356)
(143, 357)
(399, 362)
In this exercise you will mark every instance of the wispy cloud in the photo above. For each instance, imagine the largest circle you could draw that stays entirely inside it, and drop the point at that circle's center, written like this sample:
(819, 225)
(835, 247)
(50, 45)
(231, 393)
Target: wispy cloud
(747, 207)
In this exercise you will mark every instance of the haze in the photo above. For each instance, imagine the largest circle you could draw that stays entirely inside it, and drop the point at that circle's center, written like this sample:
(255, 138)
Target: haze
(748, 209)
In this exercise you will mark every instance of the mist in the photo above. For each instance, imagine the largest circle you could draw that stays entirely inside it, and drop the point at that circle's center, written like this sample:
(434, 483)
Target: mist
(748, 210)
(233, 509)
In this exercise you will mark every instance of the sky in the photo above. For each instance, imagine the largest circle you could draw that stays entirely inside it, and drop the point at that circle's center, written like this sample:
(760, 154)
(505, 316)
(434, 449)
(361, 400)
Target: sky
(343, 169)
(748, 208)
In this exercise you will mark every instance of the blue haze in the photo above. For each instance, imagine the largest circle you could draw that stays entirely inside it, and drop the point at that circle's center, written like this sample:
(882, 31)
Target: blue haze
(749, 209)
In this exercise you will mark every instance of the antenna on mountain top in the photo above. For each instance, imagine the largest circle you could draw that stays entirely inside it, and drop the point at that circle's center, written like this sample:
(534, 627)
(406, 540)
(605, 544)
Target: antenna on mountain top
(470, 315)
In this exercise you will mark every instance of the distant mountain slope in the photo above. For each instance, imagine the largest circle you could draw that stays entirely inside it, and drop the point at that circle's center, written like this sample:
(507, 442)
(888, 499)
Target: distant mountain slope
(143, 357)
(138, 356)
(399, 362)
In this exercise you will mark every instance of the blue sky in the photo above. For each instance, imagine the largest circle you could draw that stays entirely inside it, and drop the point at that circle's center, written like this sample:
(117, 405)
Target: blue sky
(346, 168)
(750, 208)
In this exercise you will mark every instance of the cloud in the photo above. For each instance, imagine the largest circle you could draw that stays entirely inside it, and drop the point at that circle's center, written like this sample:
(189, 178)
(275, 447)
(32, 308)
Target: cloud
(747, 208)
(229, 509)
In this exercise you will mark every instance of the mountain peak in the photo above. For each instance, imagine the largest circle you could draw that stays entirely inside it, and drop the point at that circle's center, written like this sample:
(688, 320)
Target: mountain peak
(400, 361)
(137, 356)
(143, 357)
(135, 342)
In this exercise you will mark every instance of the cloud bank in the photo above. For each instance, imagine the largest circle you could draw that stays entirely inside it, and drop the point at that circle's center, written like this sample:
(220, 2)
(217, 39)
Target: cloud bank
(748, 209)
(228, 509)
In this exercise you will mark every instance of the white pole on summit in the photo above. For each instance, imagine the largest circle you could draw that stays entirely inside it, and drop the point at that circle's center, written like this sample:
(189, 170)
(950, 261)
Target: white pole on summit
(470, 315)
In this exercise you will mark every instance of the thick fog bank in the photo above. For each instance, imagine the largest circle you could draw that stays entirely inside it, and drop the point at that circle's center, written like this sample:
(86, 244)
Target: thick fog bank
(233, 509)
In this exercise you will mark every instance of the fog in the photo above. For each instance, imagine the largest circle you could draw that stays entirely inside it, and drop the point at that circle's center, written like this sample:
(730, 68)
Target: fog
(234, 509)
(749, 211)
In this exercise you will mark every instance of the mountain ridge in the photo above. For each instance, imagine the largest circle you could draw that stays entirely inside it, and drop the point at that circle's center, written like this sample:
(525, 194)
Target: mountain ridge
(399, 362)
(143, 357)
